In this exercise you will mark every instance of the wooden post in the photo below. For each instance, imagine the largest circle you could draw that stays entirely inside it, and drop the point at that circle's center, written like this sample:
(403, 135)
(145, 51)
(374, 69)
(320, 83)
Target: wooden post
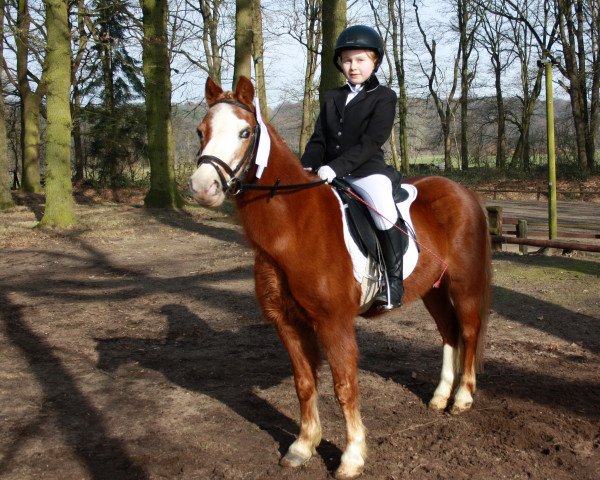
(495, 225)
(522, 233)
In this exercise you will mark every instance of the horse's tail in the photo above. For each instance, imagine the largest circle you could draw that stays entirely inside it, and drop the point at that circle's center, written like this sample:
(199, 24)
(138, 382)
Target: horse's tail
(485, 298)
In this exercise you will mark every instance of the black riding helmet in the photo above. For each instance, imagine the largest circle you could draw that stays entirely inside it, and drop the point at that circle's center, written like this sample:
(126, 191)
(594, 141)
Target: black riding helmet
(358, 37)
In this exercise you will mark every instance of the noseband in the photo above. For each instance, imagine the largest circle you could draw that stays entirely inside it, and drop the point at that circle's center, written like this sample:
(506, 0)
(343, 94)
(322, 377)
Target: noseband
(234, 185)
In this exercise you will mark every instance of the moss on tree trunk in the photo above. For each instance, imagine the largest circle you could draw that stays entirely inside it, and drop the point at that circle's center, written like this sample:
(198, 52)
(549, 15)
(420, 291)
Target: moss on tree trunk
(163, 188)
(59, 200)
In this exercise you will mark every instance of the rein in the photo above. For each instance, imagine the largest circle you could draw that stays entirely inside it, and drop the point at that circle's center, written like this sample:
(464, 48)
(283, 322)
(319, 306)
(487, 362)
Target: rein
(235, 185)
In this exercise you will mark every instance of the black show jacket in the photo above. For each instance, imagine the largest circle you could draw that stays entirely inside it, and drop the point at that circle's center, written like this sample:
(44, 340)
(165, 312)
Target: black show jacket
(349, 138)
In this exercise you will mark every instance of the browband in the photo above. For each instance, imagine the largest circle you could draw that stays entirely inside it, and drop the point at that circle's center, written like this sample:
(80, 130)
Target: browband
(237, 104)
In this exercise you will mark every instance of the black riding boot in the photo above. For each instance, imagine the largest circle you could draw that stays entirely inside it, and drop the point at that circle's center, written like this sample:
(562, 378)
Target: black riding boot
(392, 243)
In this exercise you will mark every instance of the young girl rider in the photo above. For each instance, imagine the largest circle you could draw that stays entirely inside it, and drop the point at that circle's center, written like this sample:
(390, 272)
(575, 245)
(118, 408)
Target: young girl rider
(353, 124)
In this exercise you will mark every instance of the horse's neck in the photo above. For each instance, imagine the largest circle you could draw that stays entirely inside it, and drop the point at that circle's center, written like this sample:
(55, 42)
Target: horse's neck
(265, 214)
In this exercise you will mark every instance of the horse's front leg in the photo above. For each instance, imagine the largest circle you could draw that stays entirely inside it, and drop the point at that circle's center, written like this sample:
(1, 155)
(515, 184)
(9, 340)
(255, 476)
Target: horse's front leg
(302, 347)
(339, 342)
(304, 354)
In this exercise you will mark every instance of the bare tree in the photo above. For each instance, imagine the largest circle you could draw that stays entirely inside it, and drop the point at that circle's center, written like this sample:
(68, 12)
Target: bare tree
(531, 76)
(258, 55)
(304, 25)
(573, 23)
(384, 24)
(6, 200)
(397, 13)
(189, 38)
(576, 21)
(29, 39)
(492, 37)
(595, 83)
(468, 20)
(445, 107)
(80, 44)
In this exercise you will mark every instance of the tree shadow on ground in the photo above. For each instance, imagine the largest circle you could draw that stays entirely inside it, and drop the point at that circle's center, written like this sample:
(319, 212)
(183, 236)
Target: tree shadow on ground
(82, 426)
(224, 365)
(548, 317)
(579, 265)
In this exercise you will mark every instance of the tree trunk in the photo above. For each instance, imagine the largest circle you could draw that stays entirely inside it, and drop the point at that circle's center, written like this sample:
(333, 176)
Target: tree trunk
(333, 22)
(157, 78)
(501, 140)
(464, 84)
(398, 53)
(77, 143)
(59, 210)
(6, 200)
(258, 56)
(578, 111)
(111, 159)
(595, 88)
(394, 149)
(313, 40)
(210, 37)
(30, 107)
(243, 40)
(570, 16)
(447, 144)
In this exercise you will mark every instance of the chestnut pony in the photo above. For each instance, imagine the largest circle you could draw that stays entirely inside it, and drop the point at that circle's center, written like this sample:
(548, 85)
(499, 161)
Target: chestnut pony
(303, 272)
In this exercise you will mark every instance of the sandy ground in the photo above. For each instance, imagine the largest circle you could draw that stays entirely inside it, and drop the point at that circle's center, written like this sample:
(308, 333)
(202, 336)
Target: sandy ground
(133, 348)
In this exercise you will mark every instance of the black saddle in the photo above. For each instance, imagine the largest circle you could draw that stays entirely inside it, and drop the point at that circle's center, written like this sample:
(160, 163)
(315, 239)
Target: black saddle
(359, 220)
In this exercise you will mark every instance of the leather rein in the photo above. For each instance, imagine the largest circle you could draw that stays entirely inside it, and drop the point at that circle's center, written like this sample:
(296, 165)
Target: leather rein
(235, 185)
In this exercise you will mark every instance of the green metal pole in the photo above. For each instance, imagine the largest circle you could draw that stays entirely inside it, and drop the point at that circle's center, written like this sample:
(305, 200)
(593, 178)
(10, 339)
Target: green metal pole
(552, 214)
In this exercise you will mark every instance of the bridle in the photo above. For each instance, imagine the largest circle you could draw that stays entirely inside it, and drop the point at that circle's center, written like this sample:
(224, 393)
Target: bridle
(235, 184)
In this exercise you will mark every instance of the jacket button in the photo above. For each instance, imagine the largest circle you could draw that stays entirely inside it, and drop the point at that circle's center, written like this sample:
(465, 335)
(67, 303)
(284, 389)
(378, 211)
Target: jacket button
(337, 147)
(339, 134)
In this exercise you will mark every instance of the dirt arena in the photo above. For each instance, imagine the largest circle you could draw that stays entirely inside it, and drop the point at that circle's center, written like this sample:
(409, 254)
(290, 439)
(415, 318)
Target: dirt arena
(133, 348)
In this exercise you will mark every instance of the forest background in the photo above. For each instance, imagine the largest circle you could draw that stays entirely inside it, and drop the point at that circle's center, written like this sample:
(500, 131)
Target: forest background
(109, 93)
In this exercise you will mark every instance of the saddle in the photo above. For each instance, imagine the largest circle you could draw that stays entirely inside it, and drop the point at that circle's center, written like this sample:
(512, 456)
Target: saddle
(360, 222)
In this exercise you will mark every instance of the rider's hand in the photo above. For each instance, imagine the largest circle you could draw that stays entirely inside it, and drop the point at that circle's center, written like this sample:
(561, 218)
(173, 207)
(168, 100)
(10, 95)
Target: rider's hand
(326, 173)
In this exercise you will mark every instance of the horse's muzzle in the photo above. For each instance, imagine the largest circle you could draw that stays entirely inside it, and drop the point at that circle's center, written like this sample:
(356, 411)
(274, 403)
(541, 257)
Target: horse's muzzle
(208, 194)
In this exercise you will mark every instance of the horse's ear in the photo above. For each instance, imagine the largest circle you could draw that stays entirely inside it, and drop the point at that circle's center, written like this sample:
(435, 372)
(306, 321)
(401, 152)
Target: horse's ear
(212, 92)
(244, 91)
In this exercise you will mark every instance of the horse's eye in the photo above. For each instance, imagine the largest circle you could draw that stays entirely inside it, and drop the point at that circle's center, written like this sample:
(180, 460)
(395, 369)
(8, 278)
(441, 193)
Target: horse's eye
(245, 133)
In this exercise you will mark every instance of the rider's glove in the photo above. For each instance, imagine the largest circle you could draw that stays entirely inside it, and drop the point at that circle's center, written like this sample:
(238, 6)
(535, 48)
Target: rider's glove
(326, 173)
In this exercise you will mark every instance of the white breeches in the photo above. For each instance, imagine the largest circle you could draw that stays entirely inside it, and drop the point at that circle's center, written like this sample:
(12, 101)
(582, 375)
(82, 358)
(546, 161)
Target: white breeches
(376, 190)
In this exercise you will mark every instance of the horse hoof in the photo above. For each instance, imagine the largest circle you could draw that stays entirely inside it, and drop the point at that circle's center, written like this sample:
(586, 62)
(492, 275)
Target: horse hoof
(294, 460)
(459, 408)
(438, 403)
(348, 472)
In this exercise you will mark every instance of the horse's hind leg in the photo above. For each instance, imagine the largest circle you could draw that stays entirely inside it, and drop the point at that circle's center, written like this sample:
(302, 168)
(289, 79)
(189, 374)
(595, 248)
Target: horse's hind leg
(459, 323)
(303, 350)
(467, 310)
(441, 309)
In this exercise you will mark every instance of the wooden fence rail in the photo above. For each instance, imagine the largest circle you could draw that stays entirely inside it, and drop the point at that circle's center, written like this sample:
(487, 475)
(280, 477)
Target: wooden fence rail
(498, 227)
(540, 192)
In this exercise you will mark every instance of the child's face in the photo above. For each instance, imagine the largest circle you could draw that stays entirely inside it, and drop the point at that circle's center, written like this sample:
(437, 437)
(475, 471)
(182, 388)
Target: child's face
(357, 65)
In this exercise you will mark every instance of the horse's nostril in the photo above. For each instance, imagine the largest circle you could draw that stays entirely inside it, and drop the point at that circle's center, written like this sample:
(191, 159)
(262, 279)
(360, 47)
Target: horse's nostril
(213, 189)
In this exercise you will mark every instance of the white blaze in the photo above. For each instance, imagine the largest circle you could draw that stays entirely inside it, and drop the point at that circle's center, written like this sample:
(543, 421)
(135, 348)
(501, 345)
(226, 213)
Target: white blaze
(224, 143)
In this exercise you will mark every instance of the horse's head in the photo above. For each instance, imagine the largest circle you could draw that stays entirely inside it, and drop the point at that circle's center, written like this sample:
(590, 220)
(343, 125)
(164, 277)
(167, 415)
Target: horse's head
(227, 135)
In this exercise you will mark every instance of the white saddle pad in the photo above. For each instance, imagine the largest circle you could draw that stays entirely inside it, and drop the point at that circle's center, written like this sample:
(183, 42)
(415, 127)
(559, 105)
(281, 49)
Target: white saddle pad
(365, 268)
